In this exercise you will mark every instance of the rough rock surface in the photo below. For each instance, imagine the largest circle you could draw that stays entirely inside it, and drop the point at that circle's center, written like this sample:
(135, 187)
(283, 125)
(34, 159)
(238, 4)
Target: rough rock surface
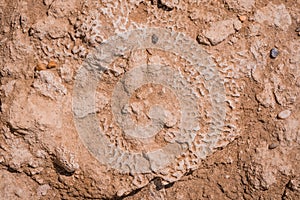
(241, 5)
(220, 30)
(149, 99)
(276, 15)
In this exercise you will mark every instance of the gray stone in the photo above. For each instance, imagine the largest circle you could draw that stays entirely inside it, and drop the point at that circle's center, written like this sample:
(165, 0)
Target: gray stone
(274, 53)
(154, 39)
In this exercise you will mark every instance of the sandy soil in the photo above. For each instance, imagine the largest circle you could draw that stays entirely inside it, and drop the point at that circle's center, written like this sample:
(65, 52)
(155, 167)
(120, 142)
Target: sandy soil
(150, 99)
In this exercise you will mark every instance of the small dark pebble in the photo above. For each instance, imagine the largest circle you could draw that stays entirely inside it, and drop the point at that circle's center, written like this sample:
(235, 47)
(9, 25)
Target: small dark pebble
(154, 39)
(297, 29)
(274, 53)
(273, 146)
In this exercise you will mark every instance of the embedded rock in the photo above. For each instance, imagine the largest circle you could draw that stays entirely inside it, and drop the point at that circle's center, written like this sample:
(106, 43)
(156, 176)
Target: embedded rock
(221, 30)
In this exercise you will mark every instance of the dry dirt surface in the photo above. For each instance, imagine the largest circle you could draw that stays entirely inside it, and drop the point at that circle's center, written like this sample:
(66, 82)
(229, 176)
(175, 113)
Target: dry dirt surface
(116, 99)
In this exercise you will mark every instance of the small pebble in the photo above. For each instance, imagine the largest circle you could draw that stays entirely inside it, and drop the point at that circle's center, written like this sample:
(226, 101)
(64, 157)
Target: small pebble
(52, 64)
(273, 146)
(297, 29)
(284, 114)
(243, 18)
(274, 53)
(40, 67)
(154, 39)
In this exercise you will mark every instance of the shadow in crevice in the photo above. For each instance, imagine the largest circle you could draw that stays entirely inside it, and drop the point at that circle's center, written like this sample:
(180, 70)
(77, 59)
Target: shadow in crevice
(132, 193)
(160, 5)
(60, 170)
(158, 184)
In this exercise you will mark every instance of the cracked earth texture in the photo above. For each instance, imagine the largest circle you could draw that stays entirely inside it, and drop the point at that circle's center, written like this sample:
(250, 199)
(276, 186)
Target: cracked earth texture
(150, 99)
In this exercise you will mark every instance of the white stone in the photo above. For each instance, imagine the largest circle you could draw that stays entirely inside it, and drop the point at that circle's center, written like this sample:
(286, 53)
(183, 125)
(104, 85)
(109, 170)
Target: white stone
(284, 114)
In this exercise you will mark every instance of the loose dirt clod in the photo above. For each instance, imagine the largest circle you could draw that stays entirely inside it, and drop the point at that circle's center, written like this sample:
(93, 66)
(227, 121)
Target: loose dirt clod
(40, 66)
(243, 18)
(52, 64)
